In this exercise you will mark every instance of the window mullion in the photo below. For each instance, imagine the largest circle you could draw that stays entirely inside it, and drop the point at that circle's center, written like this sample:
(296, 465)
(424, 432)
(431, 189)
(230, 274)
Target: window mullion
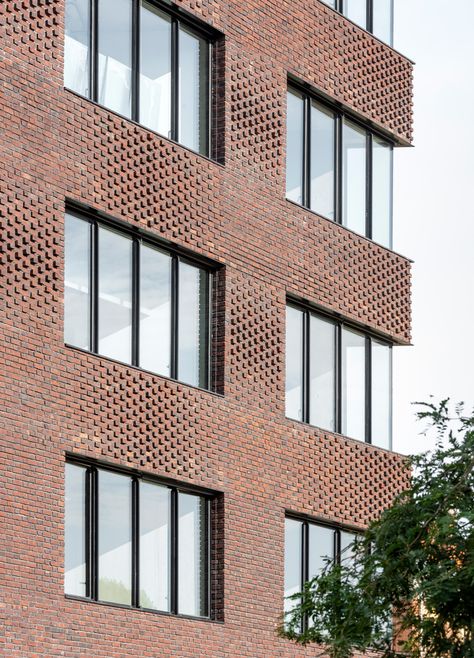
(368, 185)
(174, 552)
(174, 316)
(305, 368)
(370, 16)
(175, 80)
(338, 378)
(338, 169)
(135, 542)
(368, 389)
(307, 152)
(136, 60)
(136, 302)
(94, 284)
(304, 564)
(93, 533)
(94, 49)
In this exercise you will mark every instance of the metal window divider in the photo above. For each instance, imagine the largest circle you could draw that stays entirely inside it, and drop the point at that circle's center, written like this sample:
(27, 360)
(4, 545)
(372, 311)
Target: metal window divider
(135, 91)
(174, 538)
(174, 79)
(136, 244)
(135, 599)
(368, 389)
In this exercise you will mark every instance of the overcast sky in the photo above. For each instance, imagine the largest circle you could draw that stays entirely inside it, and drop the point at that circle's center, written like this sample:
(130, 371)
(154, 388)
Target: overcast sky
(433, 214)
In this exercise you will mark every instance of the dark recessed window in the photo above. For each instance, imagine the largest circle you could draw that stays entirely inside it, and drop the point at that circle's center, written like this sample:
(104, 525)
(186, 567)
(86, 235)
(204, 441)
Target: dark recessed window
(338, 168)
(134, 541)
(337, 377)
(130, 299)
(376, 16)
(143, 61)
(308, 546)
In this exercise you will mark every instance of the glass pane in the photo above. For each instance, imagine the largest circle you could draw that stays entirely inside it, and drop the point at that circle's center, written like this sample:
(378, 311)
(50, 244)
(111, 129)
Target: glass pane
(382, 154)
(346, 549)
(330, 3)
(381, 395)
(76, 46)
(353, 384)
(115, 55)
(115, 295)
(354, 178)
(77, 282)
(293, 557)
(115, 538)
(322, 161)
(294, 147)
(154, 546)
(383, 20)
(155, 69)
(321, 546)
(294, 363)
(193, 91)
(155, 310)
(322, 373)
(75, 531)
(356, 10)
(193, 325)
(192, 555)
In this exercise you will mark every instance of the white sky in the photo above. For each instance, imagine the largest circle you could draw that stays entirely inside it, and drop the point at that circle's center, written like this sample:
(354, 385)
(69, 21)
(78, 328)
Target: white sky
(433, 215)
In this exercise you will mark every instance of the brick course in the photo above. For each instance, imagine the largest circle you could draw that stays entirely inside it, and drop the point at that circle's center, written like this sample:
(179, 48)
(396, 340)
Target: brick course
(57, 146)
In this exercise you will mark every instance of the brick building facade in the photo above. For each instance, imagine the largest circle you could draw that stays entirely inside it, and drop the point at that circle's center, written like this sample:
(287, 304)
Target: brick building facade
(228, 437)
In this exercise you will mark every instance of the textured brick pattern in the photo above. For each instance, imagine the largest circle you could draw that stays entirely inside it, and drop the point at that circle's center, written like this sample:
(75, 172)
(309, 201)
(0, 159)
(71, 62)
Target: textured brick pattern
(55, 145)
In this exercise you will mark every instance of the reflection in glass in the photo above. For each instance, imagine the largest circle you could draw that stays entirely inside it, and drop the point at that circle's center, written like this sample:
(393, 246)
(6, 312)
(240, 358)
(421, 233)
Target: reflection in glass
(115, 55)
(155, 69)
(347, 539)
(322, 373)
(155, 310)
(193, 312)
(75, 531)
(154, 546)
(322, 161)
(382, 154)
(383, 20)
(353, 384)
(381, 395)
(115, 538)
(193, 91)
(294, 363)
(293, 556)
(77, 282)
(354, 178)
(294, 147)
(115, 295)
(76, 46)
(356, 10)
(331, 3)
(321, 546)
(192, 555)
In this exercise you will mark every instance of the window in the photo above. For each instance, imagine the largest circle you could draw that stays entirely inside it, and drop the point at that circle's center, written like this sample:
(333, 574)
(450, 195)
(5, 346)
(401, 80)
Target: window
(338, 168)
(129, 299)
(338, 378)
(376, 16)
(141, 60)
(308, 546)
(134, 541)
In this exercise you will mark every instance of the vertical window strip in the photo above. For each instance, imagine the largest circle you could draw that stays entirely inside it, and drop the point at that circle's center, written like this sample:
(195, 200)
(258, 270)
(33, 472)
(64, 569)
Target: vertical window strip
(93, 545)
(312, 325)
(378, 17)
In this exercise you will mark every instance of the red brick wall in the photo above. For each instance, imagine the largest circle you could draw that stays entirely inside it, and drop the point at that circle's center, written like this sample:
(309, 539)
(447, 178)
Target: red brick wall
(55, 145)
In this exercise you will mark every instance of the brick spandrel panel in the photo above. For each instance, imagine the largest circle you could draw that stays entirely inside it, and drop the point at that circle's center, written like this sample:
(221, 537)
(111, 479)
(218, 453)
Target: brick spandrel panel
(56, 400)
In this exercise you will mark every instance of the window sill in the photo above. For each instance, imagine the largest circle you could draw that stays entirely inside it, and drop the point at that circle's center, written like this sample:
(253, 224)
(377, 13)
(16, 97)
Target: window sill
(122, 606)
(142, 127)
(146, 372)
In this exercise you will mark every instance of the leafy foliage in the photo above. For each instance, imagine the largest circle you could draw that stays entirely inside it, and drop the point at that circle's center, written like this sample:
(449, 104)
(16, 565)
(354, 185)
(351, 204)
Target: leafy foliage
(414, 565)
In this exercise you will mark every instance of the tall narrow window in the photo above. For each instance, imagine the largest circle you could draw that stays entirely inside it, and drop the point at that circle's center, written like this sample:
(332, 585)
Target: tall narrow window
(382, 165)
(354, 177)
(337, 378)
(294, 363)
(155, 69)
(293, 560)
(136, 542)
(151, 308)
(76, 46)
(353, 384)
(337, 167)
(192, 555)
(75, 531)
(356, 10)
(294, 147)
(77, 282)
(383, 20)
(143, 62)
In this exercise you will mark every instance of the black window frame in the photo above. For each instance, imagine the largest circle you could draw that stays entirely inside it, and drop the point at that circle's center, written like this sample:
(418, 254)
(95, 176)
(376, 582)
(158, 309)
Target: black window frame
(336, 528)
(339, 324)
(177, 255)
(341, 115)
(178, 17)
(339, 7)
(91, 535)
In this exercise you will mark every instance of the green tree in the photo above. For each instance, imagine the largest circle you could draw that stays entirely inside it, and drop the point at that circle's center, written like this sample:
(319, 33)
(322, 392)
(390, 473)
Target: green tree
(414, 565)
